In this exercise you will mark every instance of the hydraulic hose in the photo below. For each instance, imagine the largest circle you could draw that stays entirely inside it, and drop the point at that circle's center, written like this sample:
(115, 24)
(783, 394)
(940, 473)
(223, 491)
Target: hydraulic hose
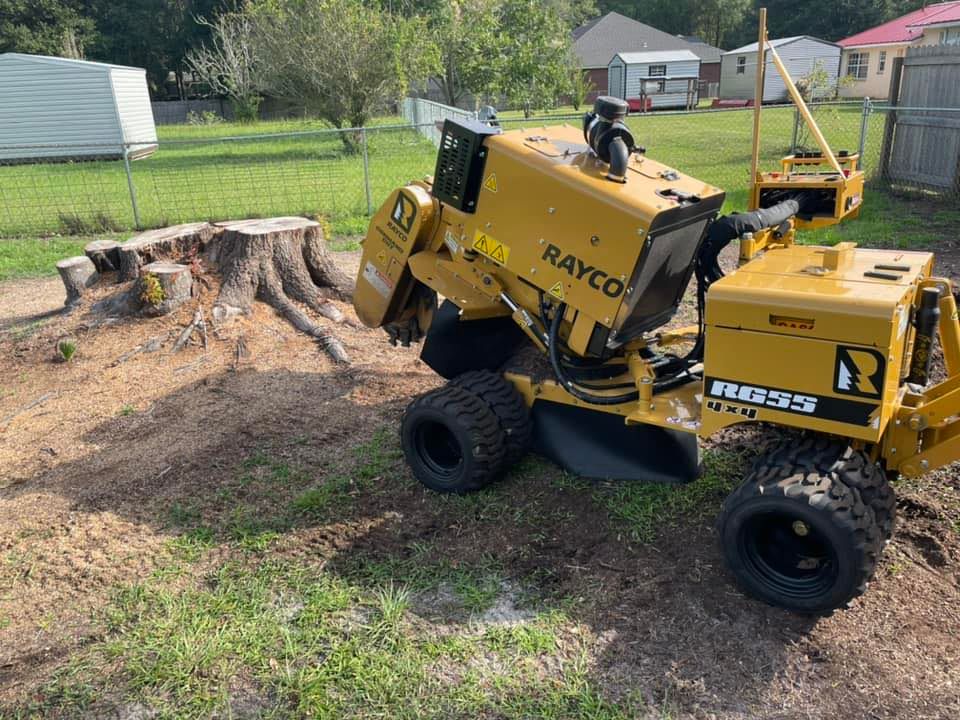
(568, 385)
(578, 392)
(721, 232)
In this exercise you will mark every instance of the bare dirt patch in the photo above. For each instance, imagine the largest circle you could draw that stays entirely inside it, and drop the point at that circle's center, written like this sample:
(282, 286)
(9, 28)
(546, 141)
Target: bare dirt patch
(101, 477)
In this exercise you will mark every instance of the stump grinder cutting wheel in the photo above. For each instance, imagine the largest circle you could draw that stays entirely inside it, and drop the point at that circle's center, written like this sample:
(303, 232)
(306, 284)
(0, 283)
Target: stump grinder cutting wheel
(562, 253)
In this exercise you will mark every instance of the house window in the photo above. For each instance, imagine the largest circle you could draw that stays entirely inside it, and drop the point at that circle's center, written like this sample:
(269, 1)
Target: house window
(950, 36)
(741, 64)
(882, 65)
(657, 71)
(857, 65)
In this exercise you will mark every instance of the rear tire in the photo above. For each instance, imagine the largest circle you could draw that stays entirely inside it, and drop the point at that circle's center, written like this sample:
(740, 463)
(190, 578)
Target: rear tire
(507, 404)
(452, 441)
(795, 535)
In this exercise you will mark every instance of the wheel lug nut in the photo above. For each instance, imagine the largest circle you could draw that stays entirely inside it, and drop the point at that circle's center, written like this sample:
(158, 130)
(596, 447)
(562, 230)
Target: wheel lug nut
(801, 528)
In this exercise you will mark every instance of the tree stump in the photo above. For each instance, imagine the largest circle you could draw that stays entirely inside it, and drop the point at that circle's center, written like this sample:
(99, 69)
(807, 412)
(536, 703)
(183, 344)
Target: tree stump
(78, 273)
(281, 261)
(163, 287)
(180, 243)
(104, 254)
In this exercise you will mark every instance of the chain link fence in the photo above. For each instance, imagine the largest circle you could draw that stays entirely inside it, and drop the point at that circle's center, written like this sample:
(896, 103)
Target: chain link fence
(230, 172)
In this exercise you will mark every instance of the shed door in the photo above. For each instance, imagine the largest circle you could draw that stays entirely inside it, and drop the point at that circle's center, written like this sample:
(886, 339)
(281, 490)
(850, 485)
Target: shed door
(615, 81)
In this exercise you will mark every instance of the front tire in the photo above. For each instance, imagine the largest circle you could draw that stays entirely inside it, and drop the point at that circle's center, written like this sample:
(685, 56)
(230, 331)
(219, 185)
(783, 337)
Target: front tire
(507, 404)
(795, 535)
(452, 441)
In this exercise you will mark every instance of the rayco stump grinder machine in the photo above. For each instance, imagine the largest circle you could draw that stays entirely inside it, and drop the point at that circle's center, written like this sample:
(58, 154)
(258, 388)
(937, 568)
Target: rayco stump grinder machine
(562, 254)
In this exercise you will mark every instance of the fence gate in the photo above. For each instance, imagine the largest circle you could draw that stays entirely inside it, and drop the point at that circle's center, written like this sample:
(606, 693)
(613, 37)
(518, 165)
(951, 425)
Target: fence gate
(924, 142)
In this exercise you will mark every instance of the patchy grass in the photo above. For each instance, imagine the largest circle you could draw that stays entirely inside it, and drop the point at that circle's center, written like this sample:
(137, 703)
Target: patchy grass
(226, 627)
(281, 640)
(647, 507)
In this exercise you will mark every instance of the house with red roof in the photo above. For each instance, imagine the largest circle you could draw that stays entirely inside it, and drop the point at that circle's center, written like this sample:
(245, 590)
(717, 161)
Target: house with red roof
(868, 55)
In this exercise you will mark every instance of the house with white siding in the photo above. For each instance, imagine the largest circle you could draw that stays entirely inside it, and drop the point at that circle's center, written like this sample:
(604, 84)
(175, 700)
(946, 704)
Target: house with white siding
(60, 109)
(800, 55)
(665, 79)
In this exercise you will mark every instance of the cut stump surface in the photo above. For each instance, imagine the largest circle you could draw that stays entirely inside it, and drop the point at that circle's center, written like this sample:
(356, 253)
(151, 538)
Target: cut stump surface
(164, 287)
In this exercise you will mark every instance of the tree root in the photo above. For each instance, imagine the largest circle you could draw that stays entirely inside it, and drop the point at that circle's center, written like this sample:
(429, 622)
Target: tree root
(282, 262)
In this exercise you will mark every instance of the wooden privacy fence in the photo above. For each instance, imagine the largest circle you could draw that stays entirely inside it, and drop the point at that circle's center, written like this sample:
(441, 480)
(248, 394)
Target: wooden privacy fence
(922, 137)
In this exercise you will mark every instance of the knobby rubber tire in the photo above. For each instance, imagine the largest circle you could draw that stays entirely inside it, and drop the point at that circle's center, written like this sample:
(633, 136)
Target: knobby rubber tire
(471, 424)
(854, 467)
(805, 477)
(507, 404)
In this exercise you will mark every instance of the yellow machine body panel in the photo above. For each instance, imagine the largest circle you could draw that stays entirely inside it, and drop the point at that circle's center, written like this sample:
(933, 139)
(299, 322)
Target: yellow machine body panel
(790, 340)
(547, 213)
(396, 232)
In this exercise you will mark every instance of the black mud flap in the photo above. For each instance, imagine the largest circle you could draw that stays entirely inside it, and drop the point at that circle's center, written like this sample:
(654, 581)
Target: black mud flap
(453, 347)
(599, 445)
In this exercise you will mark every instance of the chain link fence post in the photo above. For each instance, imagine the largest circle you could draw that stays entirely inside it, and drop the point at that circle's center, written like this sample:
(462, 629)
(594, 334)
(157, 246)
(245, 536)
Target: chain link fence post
(796, 131)
(131, 187)
(864, 128)
(366, 170)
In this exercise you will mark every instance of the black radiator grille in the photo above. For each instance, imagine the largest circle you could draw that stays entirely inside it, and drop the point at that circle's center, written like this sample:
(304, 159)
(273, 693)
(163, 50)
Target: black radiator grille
(460, 162)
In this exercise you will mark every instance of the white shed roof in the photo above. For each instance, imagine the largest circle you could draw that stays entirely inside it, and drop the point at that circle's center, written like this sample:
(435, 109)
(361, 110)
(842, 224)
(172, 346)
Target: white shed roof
(752, 47)
(78, 64)
(663, 56)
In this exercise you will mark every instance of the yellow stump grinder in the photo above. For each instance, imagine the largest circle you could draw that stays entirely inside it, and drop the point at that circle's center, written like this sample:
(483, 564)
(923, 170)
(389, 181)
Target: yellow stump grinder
(562, 253)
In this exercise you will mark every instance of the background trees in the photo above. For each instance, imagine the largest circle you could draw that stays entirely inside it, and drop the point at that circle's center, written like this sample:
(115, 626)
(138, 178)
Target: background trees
(45, 27)
(231, 64)
(344, 59)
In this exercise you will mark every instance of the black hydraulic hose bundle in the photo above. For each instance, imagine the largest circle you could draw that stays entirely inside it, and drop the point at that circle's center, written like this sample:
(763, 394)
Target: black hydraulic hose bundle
(553, 350)
(721, 232)
(579, 390)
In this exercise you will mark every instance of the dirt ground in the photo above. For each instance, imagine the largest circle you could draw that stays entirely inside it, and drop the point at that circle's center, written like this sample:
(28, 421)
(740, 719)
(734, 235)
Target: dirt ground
(90, 472)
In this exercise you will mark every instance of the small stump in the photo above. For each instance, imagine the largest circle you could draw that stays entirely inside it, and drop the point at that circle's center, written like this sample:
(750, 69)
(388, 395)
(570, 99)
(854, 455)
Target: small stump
(163, 287)
(105, 255)
(78, 273)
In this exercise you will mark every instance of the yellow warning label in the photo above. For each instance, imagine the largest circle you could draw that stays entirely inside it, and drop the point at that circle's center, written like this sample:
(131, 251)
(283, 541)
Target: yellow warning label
(382, 256)
(493, 249)
(557, 291)
(491, 183)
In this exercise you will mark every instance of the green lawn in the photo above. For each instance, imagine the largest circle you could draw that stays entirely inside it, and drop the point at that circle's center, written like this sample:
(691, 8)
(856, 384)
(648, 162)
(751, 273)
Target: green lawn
(23, 258)
(230, 170)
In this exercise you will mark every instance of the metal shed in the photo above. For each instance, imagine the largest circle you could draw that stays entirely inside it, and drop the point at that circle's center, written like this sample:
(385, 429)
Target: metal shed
(800, 54)
(60, 109)
(664, 77)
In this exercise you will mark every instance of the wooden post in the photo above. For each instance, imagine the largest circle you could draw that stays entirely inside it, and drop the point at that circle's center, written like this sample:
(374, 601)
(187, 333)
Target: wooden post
(893, 99)
(758, 100)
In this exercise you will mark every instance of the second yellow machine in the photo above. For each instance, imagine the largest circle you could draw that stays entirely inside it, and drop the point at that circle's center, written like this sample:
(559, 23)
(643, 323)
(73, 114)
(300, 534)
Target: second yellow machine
(562, 254)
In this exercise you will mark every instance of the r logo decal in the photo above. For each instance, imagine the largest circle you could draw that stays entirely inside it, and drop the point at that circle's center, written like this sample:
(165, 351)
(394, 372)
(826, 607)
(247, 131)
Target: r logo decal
(404, 213)
(859, 371)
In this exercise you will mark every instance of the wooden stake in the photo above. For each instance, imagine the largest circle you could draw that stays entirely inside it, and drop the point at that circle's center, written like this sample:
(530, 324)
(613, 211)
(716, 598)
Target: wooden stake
(758, 100)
